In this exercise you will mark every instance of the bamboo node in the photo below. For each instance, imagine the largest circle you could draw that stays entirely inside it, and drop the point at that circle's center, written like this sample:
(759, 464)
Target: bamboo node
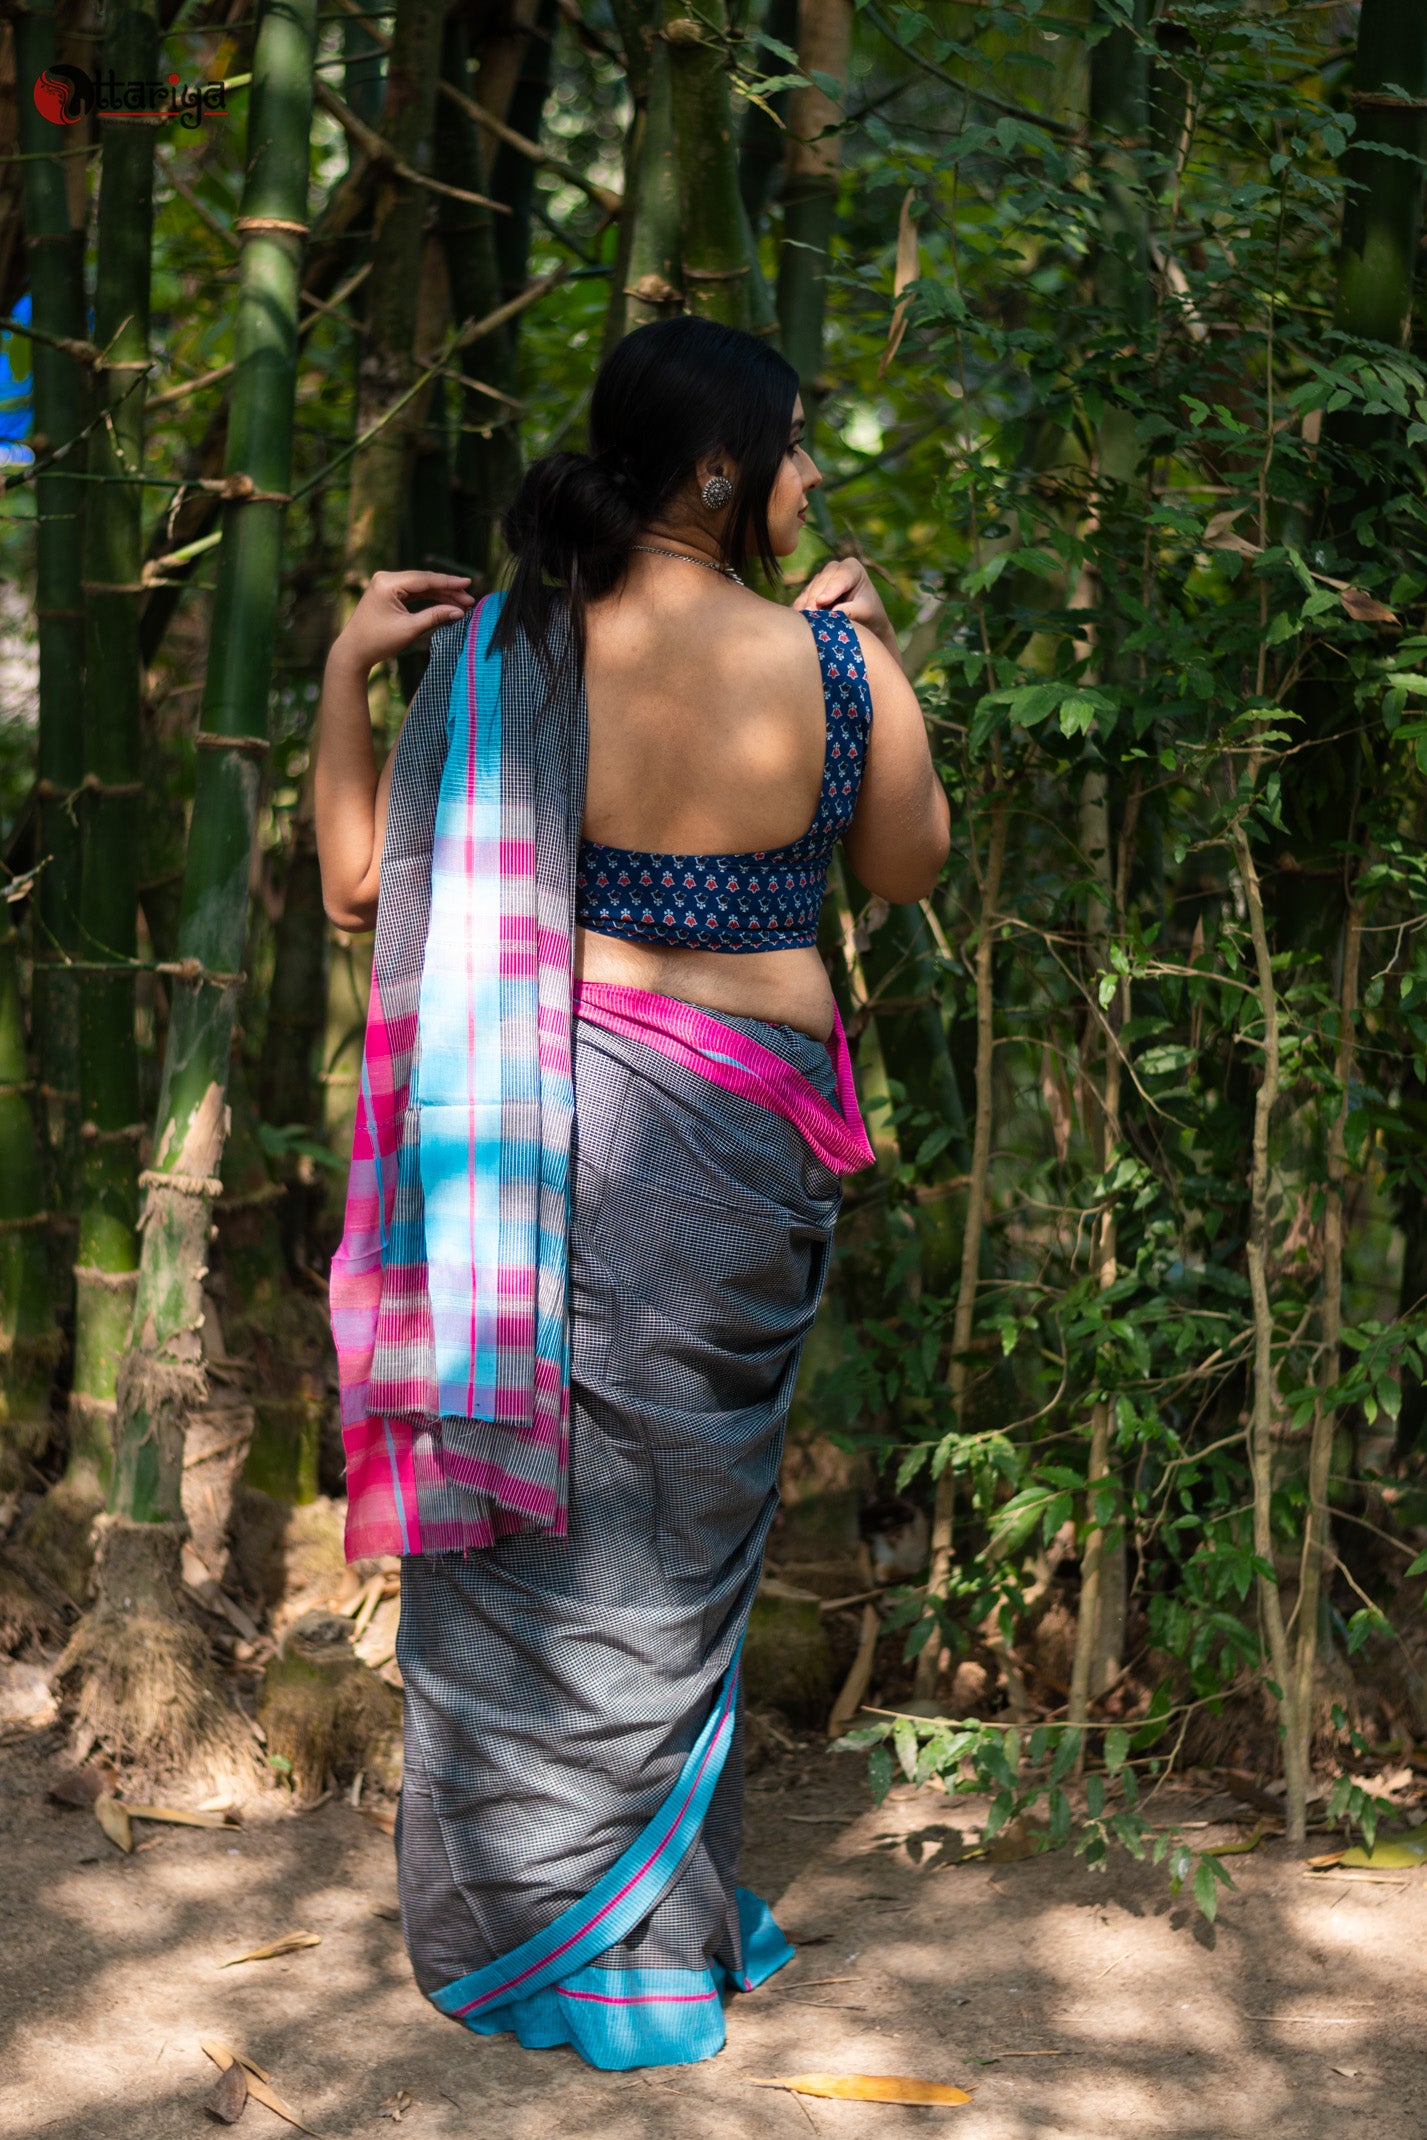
(93, 785)
(113, 587)
(33, 1218)
(265, 225)
(732, 274)
(653, 289)
(107, 1282)
(59, 616)
(240, 490)
(91, 1133)
(182, 1184)
(13, 1091)
(253, 746)
(195, 970)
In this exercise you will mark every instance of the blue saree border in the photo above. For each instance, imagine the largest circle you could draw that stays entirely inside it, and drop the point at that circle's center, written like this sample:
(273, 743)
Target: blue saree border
(548, 1994)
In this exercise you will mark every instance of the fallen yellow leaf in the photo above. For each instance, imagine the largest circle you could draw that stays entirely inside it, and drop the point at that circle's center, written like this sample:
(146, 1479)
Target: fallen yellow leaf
(288, 1944)
(114, 1820)
(259, 2088)
(178, 1818)
(383, 1817)
(869, 2088)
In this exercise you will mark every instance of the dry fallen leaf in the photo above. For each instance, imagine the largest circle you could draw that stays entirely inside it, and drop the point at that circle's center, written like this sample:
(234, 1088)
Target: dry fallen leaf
(396, 2106)
(259, 2087)
(383, 1817)
(114, 1820)
(869, 2088)
(178, 1818)
(288, 1944)
(228, 2097)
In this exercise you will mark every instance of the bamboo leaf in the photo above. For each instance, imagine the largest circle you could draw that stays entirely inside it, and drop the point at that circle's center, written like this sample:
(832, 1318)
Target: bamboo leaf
(260, 2087)
(868, 2088)
(290, 1943)
(114, 1820)
(907, 271)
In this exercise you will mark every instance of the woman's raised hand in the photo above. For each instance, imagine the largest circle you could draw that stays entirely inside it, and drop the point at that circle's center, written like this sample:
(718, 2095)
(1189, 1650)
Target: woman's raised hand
(383, 624)
(845, 584)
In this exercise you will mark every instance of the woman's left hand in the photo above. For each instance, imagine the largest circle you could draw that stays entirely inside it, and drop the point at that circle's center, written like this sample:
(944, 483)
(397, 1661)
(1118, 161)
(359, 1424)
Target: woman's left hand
(846, 585)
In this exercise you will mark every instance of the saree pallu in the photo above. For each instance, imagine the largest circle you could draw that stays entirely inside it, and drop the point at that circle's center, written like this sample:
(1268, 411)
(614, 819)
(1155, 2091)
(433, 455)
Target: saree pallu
(572, 1807)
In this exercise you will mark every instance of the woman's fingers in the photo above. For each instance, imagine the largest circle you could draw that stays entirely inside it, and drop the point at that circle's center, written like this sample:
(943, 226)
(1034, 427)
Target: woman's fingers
(400, 585)
(418, 622)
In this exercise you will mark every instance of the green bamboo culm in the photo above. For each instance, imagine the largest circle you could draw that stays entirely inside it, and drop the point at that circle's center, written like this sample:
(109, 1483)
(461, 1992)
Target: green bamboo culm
(60, 389)
(39, 1124)
(810, 192)
(162, 1375)
(716, 266)
(487, 468)
(106, 1262)
(28, 1340)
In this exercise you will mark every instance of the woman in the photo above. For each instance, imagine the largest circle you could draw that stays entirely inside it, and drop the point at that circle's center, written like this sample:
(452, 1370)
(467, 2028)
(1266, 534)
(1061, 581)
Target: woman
(606, 1101)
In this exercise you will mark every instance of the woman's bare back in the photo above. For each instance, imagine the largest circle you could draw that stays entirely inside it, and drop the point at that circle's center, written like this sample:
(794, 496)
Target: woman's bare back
(706, 717)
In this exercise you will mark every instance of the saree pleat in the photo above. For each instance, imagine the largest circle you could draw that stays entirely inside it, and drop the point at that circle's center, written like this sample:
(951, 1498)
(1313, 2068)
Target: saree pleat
(555, 1690)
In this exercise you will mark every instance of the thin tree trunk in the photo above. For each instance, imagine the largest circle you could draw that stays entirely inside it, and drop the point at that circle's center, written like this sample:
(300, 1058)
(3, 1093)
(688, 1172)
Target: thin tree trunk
(1299, 1718)
(513, 174)
(1265, 1404)
(107, 1259)
(163, 1378)
(964, 1320)
(715, 265)
(810, 190)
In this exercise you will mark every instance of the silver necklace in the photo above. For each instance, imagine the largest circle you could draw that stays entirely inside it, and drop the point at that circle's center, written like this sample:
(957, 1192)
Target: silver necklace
(680, 559)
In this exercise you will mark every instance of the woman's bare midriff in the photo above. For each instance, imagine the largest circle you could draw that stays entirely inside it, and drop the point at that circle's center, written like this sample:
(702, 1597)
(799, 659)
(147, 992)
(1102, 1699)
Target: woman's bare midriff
(781, 987)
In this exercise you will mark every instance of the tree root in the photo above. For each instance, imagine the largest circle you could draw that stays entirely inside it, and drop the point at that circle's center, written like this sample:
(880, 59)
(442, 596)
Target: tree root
(325, 1713)
(137, 1679)
(29, 1618)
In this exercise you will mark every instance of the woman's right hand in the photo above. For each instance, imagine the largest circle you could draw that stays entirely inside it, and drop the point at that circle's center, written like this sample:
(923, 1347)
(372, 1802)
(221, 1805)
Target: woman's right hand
(383, 626)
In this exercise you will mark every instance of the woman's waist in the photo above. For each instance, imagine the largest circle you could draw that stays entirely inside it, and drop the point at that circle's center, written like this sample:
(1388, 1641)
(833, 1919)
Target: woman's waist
(788, 987)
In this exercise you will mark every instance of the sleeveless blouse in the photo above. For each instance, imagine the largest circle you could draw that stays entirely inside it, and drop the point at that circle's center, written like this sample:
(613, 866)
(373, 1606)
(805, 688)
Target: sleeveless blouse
(765, 901)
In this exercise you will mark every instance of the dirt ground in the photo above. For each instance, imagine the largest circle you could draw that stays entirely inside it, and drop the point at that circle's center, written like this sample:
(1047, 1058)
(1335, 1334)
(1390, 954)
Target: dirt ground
(1075, 2005)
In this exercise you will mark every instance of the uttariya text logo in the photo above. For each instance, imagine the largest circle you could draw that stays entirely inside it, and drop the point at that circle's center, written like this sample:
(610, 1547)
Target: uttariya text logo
(65, 95)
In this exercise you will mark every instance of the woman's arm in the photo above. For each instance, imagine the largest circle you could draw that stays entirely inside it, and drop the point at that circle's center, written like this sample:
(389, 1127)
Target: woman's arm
(350, 796)
(901, 832)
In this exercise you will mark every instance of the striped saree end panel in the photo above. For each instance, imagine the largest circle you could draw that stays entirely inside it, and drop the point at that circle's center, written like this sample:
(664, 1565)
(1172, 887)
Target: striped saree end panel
(449, 1290)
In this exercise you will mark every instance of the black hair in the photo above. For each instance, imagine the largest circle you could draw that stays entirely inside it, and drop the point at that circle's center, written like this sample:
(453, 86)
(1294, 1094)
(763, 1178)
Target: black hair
(664, 397)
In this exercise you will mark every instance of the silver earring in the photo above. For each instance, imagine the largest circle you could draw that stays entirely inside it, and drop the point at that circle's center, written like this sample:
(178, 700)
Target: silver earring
(716, 492)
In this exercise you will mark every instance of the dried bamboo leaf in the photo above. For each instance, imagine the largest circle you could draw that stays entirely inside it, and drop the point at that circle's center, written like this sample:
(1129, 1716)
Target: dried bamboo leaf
(383, 1817)
(223, 2055)
(908, 269)
(289, 1943)
(228, 2097)
(259, 2086)
(114, 1820)
(1365, 608)
(178, 1818)
(869, 2088)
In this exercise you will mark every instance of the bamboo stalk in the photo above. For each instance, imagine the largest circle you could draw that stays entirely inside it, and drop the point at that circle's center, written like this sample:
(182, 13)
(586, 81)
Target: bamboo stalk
(715, 265)
(964, 1319)
(163, 1376)
(60, 397)
(107, 1256)
(1265, 1402)
(648, 281)
(810, 189)
(1299, 1720)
